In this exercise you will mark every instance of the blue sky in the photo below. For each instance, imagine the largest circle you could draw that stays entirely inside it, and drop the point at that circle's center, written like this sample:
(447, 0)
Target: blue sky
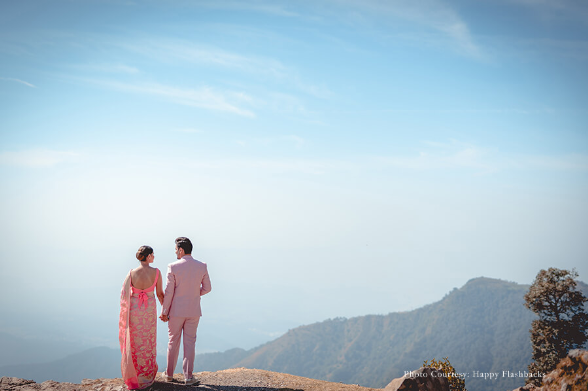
(332, 158)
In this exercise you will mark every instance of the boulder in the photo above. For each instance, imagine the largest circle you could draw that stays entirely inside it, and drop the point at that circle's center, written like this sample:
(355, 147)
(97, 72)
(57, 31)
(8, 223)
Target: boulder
(7, 381)
(423, 379)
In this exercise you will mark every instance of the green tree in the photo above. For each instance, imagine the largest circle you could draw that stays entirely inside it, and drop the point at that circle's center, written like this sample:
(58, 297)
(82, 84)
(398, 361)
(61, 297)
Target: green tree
(562, 323)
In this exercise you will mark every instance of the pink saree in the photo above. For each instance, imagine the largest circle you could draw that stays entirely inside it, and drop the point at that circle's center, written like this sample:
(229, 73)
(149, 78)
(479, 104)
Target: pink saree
(137, 334)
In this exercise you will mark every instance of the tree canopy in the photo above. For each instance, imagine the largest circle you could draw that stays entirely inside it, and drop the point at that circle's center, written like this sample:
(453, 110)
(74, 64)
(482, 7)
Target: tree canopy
(562, 323)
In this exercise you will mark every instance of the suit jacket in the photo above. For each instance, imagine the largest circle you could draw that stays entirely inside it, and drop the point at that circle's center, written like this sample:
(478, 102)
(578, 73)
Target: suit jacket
(187, 280)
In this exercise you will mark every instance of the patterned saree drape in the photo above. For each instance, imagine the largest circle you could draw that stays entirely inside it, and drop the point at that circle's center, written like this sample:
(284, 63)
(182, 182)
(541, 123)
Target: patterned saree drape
(137, 335)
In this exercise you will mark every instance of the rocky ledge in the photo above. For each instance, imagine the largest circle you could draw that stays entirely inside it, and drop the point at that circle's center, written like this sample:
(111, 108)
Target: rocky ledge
(571, 374)
(239, 379)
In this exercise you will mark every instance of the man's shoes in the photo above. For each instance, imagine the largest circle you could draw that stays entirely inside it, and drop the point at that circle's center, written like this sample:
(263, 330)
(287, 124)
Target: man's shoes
(166, 378)
(192, 382)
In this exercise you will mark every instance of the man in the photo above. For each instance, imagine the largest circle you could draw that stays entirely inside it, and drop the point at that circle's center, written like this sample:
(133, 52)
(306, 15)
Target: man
(187, 280)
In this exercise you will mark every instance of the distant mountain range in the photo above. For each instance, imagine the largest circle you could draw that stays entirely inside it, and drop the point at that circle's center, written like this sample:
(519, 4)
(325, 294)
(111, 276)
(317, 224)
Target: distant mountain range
(482, 327)
(95, 363)
(19, 349)
(89, 364)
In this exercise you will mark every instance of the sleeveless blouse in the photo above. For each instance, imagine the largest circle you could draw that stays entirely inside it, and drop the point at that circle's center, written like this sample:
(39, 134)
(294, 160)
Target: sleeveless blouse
(144, 294)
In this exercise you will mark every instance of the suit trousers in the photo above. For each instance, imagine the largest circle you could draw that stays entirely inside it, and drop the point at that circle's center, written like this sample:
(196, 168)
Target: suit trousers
(176, 327)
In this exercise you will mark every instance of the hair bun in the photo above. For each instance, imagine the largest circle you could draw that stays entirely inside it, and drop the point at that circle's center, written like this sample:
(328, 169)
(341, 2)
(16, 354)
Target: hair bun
(144, 252)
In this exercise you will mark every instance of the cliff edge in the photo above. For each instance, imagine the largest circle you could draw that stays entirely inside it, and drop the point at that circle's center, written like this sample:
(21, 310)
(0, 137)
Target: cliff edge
(239, 379)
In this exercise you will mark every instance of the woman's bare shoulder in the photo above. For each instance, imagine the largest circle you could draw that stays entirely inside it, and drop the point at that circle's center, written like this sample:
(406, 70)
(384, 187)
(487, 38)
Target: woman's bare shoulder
(152, 271)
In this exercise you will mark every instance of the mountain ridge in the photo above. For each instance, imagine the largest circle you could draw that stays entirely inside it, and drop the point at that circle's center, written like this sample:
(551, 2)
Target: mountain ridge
(482, 326)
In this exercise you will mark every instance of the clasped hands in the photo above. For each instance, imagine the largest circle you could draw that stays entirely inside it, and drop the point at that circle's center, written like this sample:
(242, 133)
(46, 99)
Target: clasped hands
(164, 318)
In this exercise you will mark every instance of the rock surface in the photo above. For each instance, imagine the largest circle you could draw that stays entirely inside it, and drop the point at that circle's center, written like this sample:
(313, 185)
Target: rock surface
(571, 374)
(239, 379)
(423, 379)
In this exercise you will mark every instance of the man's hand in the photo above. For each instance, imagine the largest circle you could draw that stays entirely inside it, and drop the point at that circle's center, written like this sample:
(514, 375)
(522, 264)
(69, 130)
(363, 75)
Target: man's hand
(164, 318)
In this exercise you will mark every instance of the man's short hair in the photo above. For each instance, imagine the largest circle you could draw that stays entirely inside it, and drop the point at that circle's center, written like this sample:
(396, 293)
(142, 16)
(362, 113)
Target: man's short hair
(185, 243)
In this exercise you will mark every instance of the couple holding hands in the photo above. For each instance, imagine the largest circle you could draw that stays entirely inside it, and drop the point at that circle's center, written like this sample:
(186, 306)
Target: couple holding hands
(187, 281)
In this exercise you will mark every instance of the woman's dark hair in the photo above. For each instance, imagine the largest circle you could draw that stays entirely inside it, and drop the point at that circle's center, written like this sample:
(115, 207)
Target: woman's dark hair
(144, 252)
(184, 243)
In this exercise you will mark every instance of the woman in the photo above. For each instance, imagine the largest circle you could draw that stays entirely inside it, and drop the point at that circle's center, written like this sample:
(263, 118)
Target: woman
(138, 322)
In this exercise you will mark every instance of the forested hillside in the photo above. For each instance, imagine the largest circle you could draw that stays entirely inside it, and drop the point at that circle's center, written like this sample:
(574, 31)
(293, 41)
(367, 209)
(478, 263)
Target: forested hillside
(483, 327)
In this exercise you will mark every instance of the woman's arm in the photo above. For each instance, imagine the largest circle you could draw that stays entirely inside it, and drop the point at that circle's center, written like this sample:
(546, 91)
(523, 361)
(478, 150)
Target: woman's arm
(159, 289)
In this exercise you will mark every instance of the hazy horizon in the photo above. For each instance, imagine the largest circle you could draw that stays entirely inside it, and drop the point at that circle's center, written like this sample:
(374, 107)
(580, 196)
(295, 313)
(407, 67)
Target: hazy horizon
(327, 159)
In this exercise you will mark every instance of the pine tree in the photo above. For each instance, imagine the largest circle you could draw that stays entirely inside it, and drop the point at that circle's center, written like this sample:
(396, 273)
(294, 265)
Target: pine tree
(562, 323)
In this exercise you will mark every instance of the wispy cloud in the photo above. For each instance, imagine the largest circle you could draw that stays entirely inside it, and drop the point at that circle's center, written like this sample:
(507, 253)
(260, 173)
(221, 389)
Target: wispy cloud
(166, 50)
(186, 52)
(297, 140)
(569, 162)
(571, 49)
(272, 8)
(437, 15)
(36, 158)
(107, 68)
(441, 17)
(289, 140)
(455, 155)
(434, 14)
(187, 130)
(280, 101)
(275, 166)
(18, 81)
(204, 98)
(562, 10)
(441, 155)
(518, 111)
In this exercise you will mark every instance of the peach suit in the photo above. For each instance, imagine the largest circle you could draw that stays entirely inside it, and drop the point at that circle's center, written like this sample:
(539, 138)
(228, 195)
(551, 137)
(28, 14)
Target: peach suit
(187, 281)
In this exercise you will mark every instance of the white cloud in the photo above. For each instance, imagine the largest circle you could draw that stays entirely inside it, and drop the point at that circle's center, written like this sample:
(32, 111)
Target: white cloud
(173, 50)
(18, 81)
(576, 50)
(440, 17)
(271, 166)
(563, 10)
(290, 139)
(35, 158)
(188, 130)
(271, 8)
(204, 98)
(458, 155)
(285, 103)
(433, 14)
(108, 68)
(444, 156)
(571, 162)
(298, 141)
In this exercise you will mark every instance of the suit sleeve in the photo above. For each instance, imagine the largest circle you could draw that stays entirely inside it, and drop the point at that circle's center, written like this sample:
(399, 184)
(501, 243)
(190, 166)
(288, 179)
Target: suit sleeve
(206, 286)
(170, 288)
